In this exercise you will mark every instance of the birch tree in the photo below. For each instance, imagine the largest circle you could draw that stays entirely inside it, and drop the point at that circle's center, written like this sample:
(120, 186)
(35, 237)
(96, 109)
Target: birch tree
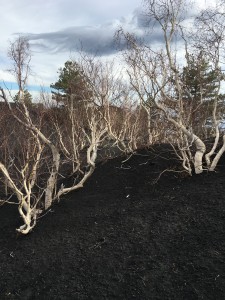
(210, 39)
(35, 172)
(156, 77)
(19, 53)
(114, 99)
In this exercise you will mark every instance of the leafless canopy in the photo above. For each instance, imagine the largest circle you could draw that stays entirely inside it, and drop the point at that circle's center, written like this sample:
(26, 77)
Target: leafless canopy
(20, 54)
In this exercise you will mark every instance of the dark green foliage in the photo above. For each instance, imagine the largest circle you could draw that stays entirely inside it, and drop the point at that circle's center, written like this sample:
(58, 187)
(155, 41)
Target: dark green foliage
(200, 79)
(71, 84)
(201, 89)
(27, 98)
(69, 77)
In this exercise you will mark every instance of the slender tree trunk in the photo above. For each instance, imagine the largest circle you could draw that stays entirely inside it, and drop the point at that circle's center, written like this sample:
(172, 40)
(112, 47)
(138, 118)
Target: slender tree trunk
(218, 156)
(52, 180)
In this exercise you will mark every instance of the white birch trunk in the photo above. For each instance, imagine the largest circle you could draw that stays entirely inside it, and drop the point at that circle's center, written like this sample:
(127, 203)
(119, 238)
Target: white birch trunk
(52, 180)
(199, 144)
(218, 156)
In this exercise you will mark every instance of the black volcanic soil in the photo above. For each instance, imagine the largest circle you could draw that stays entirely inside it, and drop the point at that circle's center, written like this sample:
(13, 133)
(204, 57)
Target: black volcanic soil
(123, 237)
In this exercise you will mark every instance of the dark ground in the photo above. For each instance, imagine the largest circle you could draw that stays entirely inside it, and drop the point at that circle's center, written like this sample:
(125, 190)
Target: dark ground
(121, 237)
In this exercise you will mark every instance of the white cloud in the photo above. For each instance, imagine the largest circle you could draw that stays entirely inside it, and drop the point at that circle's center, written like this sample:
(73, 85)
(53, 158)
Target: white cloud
(56, 27)
(52, 18)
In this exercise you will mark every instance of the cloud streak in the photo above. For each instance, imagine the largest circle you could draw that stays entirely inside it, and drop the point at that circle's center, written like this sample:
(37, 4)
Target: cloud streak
(58, 28)
(98, 40)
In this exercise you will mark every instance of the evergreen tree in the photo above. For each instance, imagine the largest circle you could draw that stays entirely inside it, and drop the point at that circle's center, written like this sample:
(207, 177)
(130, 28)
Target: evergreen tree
(71, 84)
(200, 79)
(27, 98)
(201, 83)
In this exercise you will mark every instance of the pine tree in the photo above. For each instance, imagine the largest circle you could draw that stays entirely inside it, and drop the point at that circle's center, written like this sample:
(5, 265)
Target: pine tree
(27, 98)
(71, 84)
(201, 83)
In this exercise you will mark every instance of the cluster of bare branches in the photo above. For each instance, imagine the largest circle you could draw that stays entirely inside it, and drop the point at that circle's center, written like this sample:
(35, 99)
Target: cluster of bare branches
(43, 145)
(157, 78)
(46, 144)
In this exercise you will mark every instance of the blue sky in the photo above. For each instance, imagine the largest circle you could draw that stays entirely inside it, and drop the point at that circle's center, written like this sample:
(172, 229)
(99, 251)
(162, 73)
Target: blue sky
(10, 85)
(56, 29)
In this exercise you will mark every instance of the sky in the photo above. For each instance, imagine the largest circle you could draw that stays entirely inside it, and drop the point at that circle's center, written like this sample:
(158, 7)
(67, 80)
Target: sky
(56, 29)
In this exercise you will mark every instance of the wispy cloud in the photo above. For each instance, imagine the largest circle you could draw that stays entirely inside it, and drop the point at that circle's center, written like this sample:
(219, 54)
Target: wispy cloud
(97, 39)
(58, 28)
